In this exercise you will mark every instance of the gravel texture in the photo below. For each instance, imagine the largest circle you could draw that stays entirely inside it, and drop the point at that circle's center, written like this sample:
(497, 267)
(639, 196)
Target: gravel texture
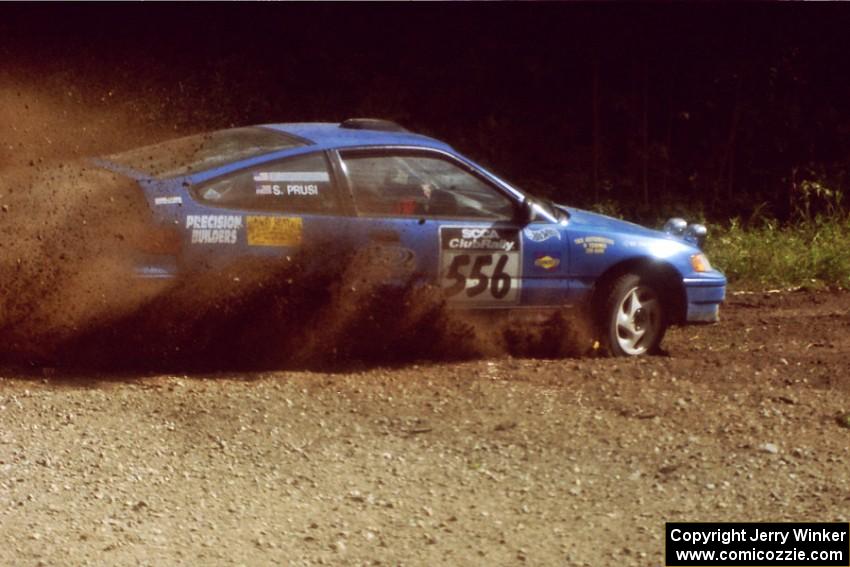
(488, 462)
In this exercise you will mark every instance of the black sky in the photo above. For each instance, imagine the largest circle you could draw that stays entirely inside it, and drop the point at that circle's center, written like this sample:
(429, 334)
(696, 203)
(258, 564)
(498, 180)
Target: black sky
(681, 87)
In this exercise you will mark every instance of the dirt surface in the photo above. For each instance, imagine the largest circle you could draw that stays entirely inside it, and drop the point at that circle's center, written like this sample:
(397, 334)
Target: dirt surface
(490, 462)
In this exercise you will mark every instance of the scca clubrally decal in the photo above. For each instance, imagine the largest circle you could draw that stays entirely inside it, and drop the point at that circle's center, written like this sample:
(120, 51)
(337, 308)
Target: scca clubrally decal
(480, 265)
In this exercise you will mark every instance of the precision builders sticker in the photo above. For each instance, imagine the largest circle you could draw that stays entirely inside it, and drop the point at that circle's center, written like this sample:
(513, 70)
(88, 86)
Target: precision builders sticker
(214, 229)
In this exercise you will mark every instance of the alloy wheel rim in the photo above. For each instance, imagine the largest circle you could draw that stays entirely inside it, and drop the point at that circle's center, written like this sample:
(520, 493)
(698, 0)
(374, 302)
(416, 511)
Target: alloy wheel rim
(638, 320)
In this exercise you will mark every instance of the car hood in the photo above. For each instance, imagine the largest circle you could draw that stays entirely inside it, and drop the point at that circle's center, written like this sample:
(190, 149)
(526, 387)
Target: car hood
(580, 218)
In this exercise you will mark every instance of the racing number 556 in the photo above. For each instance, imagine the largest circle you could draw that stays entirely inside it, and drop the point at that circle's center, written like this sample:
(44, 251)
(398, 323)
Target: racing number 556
(488, 277)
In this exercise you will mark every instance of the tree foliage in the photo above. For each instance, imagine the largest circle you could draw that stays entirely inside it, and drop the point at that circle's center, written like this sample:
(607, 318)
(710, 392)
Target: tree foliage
(653, 108)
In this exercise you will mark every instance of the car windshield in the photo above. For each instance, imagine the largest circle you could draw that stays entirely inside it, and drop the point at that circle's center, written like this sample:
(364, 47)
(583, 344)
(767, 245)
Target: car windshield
(191, 154)
(551, 209)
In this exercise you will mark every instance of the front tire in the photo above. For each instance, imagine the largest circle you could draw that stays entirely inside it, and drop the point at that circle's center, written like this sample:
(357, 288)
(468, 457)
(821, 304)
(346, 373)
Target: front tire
(632, 318)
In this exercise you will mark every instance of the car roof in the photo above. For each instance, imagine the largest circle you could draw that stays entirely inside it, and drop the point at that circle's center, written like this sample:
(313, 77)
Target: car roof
(308, 137)
(334, 135)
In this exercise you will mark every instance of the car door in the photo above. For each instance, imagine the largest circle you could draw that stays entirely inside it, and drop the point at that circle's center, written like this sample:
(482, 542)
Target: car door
(265, 212)
(456, 228)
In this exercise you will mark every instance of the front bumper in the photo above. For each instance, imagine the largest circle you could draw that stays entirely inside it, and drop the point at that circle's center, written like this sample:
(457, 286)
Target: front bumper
(704, 296)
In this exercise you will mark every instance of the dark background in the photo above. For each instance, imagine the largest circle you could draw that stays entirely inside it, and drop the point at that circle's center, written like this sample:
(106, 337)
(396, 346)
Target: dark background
(648, 109)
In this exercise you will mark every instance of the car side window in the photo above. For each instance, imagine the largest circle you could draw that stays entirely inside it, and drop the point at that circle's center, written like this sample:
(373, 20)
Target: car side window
(416, 185)
(300, 184)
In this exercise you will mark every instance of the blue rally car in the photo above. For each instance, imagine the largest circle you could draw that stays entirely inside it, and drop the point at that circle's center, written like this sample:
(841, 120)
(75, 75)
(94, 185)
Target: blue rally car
(266, 192)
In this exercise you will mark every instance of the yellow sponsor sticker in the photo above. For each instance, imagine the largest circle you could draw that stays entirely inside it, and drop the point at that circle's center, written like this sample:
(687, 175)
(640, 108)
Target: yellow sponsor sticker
(547, 262)
(274, 231)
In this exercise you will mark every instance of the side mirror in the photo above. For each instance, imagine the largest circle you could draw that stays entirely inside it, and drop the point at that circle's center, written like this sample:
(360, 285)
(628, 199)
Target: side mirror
(527, 214)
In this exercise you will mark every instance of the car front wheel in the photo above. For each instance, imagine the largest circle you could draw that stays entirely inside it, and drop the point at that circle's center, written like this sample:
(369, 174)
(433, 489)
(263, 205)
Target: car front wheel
(632, 318)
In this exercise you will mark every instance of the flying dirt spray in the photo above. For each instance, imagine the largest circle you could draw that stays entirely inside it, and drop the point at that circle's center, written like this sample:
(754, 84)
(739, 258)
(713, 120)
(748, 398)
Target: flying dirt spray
(68, 231)
(64, 226)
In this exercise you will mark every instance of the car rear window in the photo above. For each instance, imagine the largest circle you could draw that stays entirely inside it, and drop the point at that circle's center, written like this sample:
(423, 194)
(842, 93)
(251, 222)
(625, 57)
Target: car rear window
(299, 184)
(200, 152)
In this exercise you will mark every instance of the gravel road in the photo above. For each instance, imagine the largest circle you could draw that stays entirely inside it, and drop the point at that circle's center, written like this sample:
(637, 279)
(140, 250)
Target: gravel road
(498, 461)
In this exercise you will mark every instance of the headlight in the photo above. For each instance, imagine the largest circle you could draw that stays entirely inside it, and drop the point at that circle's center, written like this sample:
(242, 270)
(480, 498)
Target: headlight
(700, 263)
(694, 233)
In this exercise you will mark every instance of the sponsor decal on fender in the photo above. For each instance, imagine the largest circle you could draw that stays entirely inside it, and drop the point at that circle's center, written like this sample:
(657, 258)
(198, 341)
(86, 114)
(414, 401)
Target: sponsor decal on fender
(594, 244)
(542, 234)
(274, 231)
(548, 261)
(214, 229)
(398, 260)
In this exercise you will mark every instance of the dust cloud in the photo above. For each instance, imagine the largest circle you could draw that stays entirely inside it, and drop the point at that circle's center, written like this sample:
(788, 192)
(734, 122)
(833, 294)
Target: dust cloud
(68, 233)
(66, 228)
